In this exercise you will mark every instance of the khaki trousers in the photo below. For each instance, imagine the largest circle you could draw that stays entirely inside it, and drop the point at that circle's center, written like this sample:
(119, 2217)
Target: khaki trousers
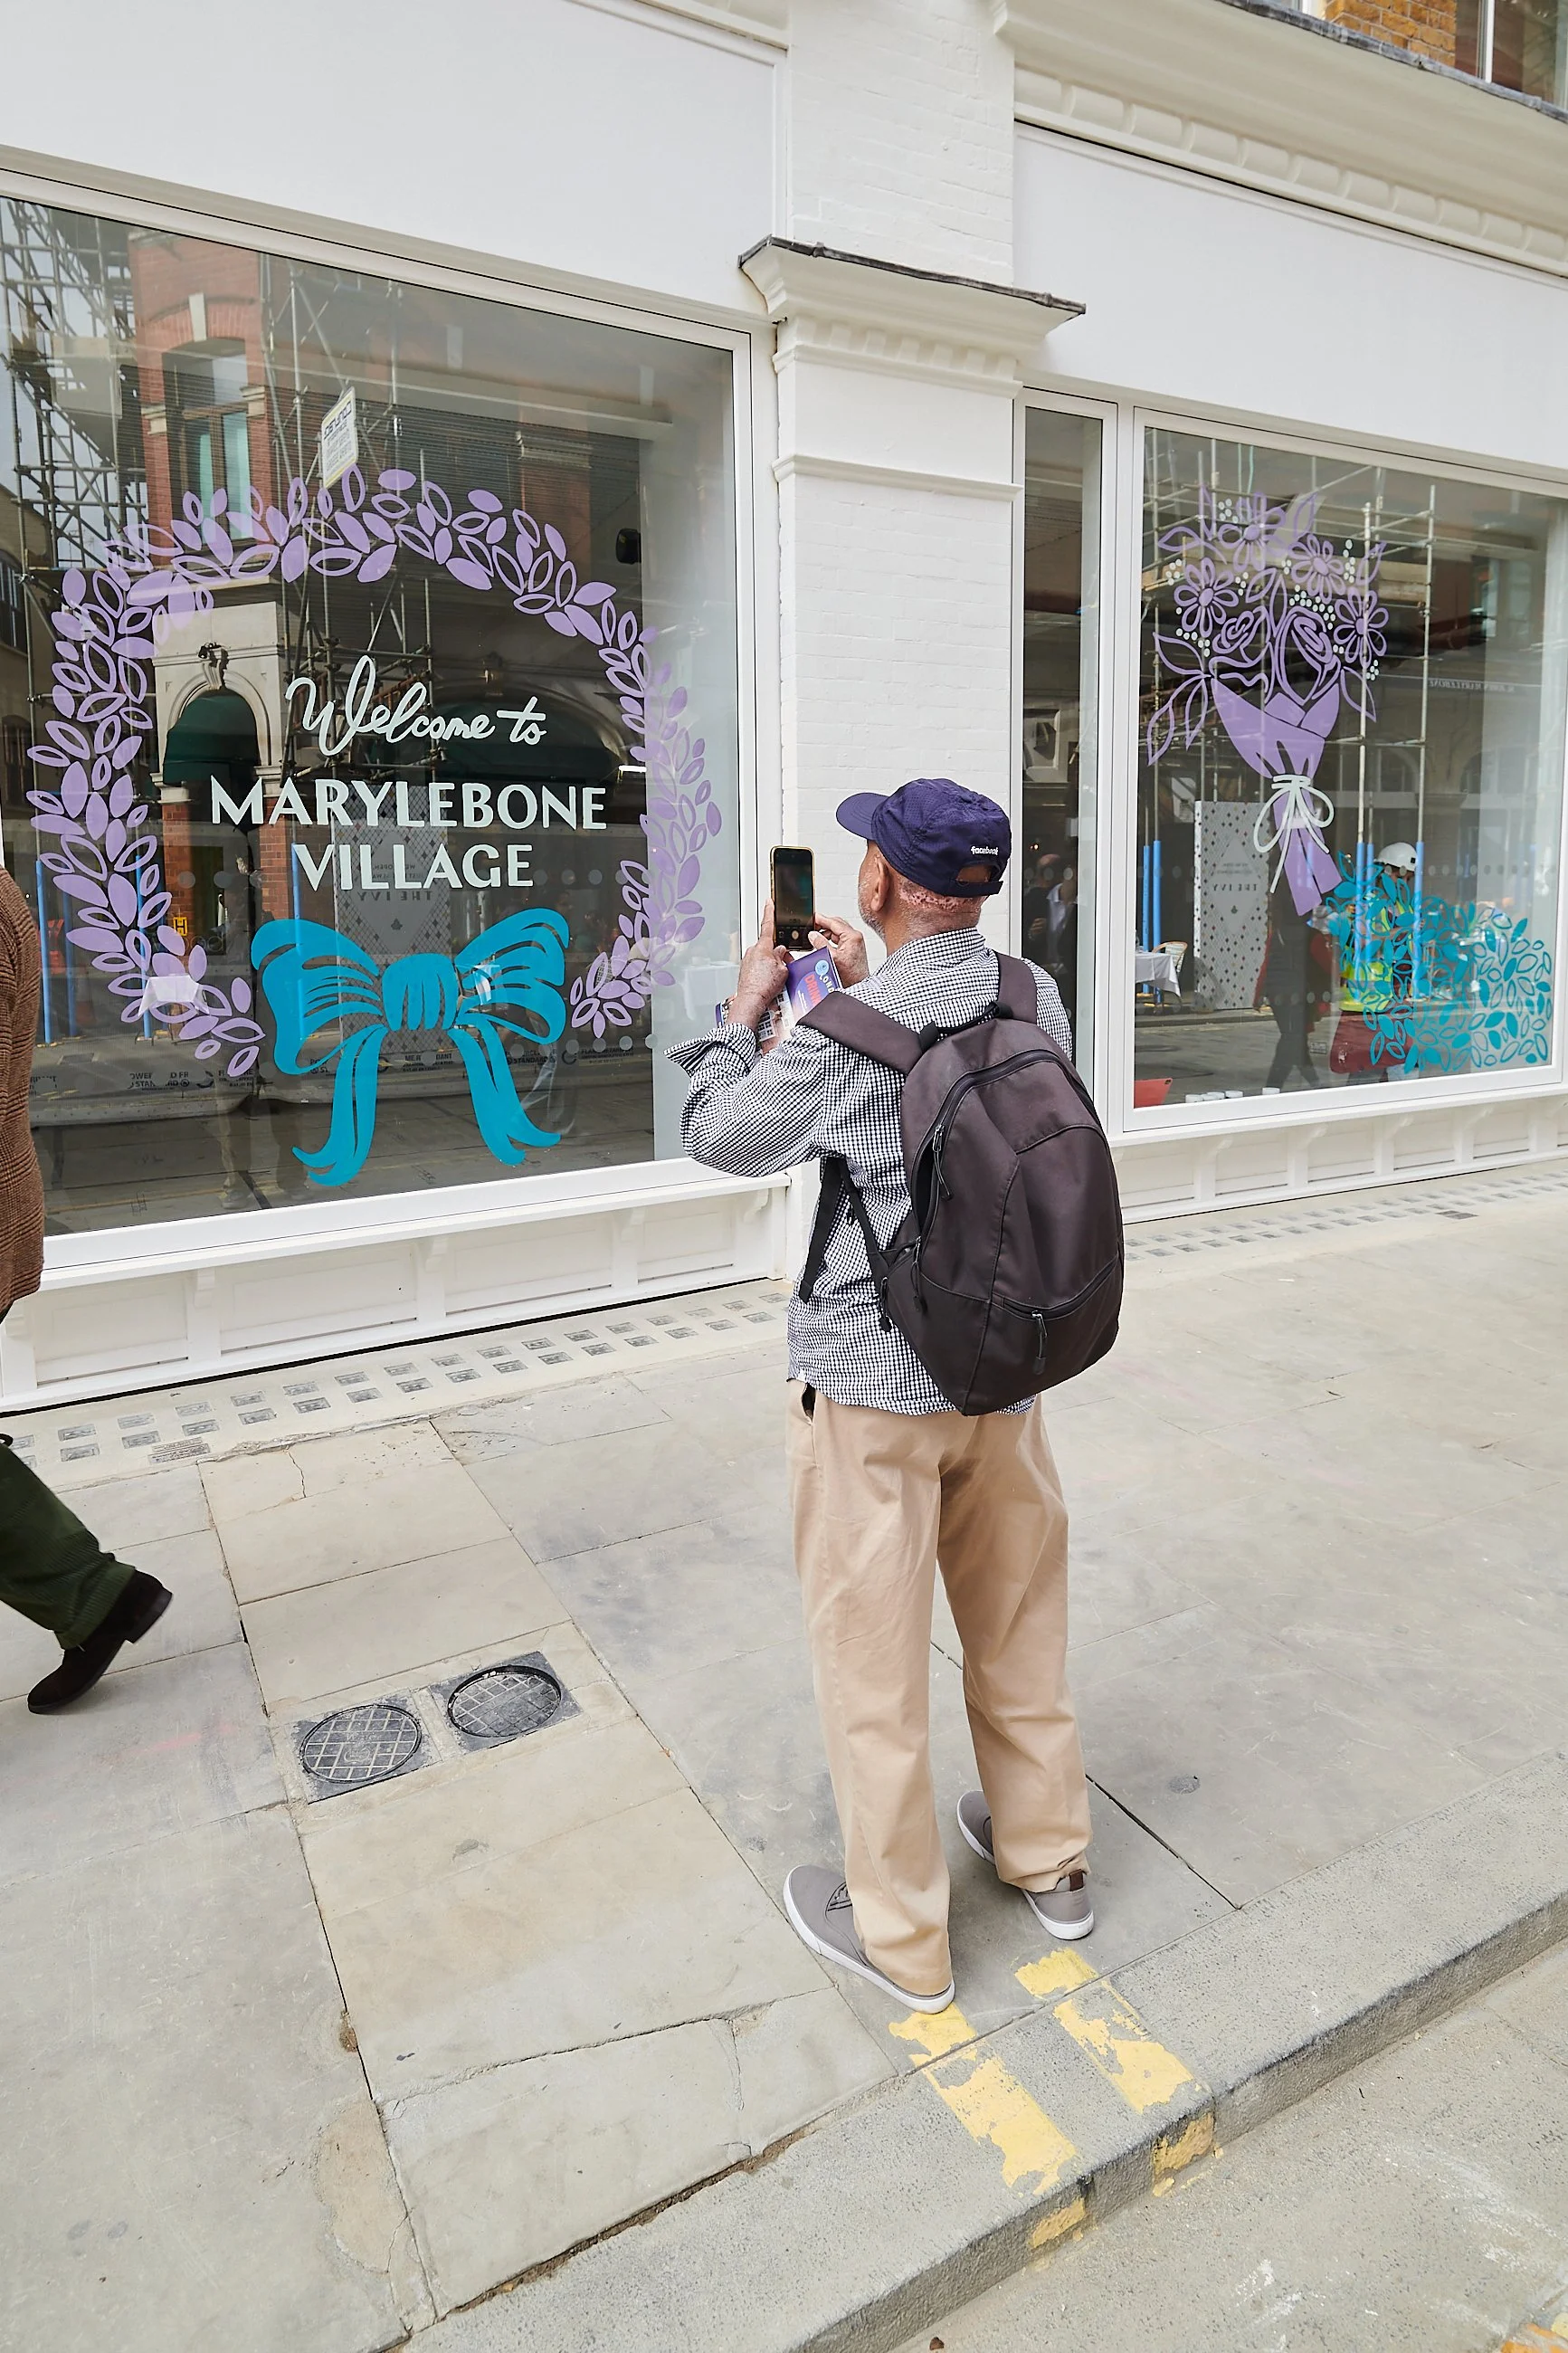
(878, 1499)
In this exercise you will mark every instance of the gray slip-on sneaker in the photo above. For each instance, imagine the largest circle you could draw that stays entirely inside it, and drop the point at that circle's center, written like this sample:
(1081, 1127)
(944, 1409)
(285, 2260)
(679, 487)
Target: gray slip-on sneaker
(1065, 1909)
(819, 1912)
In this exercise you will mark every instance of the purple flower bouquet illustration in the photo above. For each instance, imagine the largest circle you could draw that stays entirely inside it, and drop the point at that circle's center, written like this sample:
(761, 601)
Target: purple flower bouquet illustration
(112, 622)
(1277, 630)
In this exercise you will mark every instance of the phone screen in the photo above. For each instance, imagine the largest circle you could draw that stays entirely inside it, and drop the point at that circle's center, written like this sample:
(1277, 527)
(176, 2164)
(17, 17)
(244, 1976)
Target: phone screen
(794, 897)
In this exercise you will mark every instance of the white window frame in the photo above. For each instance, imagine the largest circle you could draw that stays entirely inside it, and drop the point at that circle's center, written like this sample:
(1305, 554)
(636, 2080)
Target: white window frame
(1112, 556)
(752, 394)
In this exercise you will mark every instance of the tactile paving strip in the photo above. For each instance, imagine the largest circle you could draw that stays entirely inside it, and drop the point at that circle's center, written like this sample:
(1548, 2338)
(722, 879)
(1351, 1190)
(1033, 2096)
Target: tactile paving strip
(1341, 1213)
(72, 1445)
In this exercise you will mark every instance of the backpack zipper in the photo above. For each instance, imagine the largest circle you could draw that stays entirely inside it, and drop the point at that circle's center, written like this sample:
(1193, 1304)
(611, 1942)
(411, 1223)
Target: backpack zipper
(1068, 1306)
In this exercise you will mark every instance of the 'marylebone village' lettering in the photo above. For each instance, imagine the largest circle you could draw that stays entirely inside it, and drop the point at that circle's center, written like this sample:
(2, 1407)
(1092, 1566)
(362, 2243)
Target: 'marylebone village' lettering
(467, 807)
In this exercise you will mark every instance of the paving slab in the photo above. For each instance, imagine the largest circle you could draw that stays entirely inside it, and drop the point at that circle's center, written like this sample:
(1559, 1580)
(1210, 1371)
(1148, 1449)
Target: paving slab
(582, 1494)
(746, 1739)
(127, 1513)
(1252, 1763)
(694, 1596)
(417, 1513)
(1168, 1471)
(924, 2193)
(387, 1623)
(202, 1615)
(484, 1946)
(159, 1749)
(195, 2161)
(505, 2169)
(593, 1410)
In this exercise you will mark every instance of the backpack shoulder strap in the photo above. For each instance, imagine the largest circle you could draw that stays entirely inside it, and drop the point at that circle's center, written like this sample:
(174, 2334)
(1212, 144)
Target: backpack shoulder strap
(840, 1191)
(1017, 997)
(856, 1024)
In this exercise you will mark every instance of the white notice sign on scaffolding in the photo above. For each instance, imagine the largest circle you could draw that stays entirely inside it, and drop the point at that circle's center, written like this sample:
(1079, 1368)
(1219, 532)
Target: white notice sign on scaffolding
(340, 438)
(1232, 905)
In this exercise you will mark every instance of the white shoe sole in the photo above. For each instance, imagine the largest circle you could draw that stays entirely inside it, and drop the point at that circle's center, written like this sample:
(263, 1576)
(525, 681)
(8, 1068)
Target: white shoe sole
(1068, 1935)
(971, 1842)
(930, 2002)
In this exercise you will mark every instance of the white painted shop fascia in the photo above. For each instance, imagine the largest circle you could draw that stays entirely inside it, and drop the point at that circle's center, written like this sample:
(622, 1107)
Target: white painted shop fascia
(1276, 101)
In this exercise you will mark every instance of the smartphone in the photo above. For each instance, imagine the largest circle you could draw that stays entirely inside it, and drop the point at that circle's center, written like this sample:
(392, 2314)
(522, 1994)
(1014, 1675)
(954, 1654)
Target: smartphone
(794, 898)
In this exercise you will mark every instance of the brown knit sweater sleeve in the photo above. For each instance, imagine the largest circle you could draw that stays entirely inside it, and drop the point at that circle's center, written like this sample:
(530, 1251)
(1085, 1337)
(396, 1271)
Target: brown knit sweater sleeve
(21, 1186)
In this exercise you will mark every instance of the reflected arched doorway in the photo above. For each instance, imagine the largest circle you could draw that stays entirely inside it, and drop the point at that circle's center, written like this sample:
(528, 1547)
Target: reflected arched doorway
(209, 866)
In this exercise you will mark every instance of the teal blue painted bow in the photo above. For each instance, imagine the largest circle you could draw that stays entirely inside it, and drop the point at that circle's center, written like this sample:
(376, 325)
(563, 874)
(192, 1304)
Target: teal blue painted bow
(313, 976)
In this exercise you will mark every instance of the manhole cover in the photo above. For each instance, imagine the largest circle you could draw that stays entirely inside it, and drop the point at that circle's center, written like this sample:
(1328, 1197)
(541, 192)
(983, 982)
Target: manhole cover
(358, 1744)
(501, 1703)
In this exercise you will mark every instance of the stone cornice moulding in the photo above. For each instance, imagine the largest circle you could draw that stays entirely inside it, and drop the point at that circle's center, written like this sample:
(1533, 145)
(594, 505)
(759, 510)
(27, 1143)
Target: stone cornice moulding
(1251, 97)
(851, 310)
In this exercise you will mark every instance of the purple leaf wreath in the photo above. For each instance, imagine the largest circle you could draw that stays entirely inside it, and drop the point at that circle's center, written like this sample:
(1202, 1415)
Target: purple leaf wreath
(155, 578)
(1276, 628)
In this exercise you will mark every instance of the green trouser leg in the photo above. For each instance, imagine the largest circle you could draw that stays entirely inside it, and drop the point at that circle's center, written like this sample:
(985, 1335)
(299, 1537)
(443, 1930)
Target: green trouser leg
(52, 1569)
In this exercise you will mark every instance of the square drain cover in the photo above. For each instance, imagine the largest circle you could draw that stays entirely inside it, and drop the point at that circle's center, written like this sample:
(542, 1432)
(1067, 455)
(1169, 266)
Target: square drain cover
(505, 1702)
(356, 1746)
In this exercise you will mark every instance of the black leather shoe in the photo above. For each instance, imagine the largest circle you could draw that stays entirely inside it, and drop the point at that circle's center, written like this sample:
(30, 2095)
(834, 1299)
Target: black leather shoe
(139, 1606)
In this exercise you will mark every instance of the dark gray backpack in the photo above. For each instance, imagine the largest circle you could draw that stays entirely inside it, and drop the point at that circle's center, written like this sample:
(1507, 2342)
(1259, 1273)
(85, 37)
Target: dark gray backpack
(1005, 1276)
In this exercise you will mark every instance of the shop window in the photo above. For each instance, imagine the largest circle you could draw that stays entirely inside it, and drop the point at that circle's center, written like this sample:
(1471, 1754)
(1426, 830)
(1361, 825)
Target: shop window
(1353, 681)
(382, 819)
(1061, 592)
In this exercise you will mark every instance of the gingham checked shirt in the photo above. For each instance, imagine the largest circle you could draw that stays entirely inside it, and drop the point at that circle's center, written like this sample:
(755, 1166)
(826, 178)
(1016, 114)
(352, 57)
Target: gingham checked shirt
(752, 1114)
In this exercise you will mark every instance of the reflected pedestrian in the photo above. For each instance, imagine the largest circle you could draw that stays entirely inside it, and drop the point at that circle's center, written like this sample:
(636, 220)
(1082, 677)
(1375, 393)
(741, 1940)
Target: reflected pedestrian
(52, 1569)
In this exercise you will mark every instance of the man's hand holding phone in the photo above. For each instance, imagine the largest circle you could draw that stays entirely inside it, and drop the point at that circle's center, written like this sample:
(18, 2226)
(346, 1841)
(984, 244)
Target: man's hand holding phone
(848, 946)
(762, 972)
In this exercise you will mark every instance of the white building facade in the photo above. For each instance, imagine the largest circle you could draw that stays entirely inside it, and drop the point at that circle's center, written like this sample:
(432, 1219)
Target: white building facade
(468, 490)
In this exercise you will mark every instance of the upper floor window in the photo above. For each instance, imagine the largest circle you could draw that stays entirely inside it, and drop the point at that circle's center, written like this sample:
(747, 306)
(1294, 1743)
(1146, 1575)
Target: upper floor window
(1518, 44)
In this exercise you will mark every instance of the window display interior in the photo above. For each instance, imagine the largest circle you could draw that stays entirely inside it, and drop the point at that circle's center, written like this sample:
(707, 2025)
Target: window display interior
(1353, 681)
(368, 708)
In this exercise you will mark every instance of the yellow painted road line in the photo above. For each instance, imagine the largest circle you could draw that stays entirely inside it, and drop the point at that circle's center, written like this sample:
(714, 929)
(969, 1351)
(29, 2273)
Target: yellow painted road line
(1059, 2224)
(1118, 2040)
(1109, 2030)
(1172, 2151)
(1060, 1972)
(988, 2102)
(1540, 2336)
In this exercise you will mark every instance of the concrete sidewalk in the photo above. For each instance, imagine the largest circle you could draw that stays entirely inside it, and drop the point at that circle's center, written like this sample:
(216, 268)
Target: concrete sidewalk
(306, 2069)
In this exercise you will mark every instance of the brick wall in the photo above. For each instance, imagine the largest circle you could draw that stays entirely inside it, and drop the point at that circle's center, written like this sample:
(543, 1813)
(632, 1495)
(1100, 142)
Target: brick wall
(901, 133)
(1430, 27)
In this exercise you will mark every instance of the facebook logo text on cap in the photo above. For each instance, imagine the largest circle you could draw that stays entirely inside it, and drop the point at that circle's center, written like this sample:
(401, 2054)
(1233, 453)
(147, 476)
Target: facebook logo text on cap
(934, 833)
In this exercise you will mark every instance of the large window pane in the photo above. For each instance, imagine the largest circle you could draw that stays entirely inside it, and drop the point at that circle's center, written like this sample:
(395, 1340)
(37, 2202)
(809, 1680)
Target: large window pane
(368, 688)
(1351, 780)
(1061, 611)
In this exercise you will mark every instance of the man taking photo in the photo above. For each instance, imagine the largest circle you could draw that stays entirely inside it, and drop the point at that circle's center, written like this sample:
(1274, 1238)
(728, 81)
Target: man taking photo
(886, 1477)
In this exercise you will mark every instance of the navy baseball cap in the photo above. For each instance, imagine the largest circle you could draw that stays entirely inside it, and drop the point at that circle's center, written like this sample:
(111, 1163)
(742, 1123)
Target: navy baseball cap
(936, 833)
